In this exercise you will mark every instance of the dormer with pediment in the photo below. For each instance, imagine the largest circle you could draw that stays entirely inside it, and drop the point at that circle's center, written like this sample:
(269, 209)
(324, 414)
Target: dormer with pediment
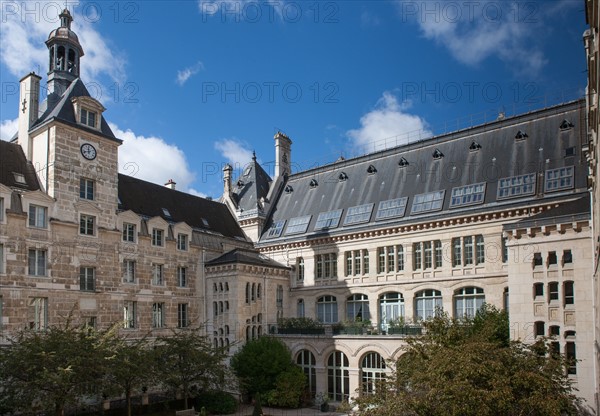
(88, 112)
(158, 231)
(182, 234)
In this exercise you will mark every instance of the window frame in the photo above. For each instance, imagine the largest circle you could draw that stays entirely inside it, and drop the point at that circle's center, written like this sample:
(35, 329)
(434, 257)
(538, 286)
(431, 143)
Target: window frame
(36, 272)
(87, 225)
(34, 216)
(158, 237)
(87, 189)
(182, 280)
(129, 232)
(87, 279)
(129, 267)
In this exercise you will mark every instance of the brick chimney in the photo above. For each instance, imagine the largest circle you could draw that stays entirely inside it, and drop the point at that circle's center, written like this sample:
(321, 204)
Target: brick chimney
(283, 155)
(29, 104)
(171, 184)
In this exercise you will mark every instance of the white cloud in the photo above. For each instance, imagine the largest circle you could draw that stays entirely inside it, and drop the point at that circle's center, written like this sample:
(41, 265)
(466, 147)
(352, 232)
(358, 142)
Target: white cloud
(152, 159)
(8, 128)
(475, 31)
(23, 34)
(388, 125)
(185, 74)
(236, 152)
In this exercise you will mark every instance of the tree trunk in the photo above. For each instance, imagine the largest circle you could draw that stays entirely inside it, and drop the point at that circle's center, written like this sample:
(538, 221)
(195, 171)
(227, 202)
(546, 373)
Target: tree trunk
(128, 398)
(59, 409)
(185, 395)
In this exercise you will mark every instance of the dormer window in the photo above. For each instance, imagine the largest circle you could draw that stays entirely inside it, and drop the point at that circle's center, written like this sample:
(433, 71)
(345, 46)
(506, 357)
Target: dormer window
(19, 178)
(371, 169)
(240, 184)
(474, 147)
(437, 154)
(88, 118)
(289, 189)
(342, 177)
(313, 183)
(566, 125)
(403, 162)
(521, 135)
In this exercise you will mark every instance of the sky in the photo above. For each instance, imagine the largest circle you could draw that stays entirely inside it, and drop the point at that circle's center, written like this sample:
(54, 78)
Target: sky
(192, 85)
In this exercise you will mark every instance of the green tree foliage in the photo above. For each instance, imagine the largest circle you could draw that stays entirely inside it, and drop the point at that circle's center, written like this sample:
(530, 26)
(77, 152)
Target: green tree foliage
(289, 386)
(186, 360)
(470, 367)
(52, 369)
(265, 364)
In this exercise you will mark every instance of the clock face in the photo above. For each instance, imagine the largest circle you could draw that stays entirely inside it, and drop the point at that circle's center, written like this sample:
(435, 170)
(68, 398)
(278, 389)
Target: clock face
(88, 151)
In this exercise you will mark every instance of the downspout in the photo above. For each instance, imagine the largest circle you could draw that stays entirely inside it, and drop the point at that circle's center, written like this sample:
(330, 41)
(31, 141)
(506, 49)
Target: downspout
(47, 158)
(203, 276)
(594, 291)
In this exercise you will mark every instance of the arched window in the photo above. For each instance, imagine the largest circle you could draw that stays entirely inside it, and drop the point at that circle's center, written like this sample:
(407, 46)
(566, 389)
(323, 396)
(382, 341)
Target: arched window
(338, 380)
(467, 301)
(391, 308)
(357, 308)
(226, 287)
(226, 329)
(253, 332)
(215, 287)
(215, 309)
(221, 308)
(253, 292)
(279, 296)
(248, 333)
(327, 309)
(247, 292)
(306, 361)
(372, 372)
(258, 291)
(220, 286)
(426, 303)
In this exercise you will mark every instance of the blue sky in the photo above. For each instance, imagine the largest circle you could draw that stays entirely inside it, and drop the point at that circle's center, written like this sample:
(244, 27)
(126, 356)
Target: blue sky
(192, 85)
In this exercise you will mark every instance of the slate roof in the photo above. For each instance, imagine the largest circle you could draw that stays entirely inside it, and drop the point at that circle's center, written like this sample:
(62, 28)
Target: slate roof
(244, 256)
(13, 160)
(484, 154)
(569, 211)
(150, 200)
(252, 185)
(61, 108)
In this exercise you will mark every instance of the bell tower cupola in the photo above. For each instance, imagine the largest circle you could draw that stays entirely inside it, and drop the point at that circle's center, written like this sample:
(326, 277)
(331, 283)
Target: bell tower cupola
(64, 52)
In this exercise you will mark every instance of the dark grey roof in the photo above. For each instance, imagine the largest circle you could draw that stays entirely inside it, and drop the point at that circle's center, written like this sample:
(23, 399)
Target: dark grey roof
(252, 185)
(13, 161)
(61, 108)
(479, 155)
(244, 256)
(569, 211)
(151, 200)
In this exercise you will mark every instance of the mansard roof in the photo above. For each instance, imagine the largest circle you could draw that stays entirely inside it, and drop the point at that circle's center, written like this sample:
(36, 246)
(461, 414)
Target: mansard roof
(61, 108)
(151, 200)
(252, 185)
(510, 162)
(13, 164)
(245, 256)
(568, 212)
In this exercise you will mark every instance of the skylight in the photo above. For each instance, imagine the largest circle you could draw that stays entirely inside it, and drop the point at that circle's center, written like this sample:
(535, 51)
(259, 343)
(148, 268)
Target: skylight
(275, 229)
(431, 201)
(467, 195)
(516, 186)
(561, 178)
(358, 214)
(166, 212)
(298, 225)
(391, 208)
(327, 220)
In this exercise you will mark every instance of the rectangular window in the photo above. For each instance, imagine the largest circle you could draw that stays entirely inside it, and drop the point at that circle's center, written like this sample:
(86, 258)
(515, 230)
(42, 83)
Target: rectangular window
(2, 269)
(516, 186)
(381, 260)
(300, 269)
(468, 243)
(538, 290)
(182, 315)
(417, 256)
(567, 257)
(86, 224)
(558, 179)
(158, 315)
(129, 271)
(438, 253)
(319, 266)
(571, 356)
(432, 201)
(479, 249)
(37, 216)
(86, 189)
(365, 262)
(358, 214)
(467, 195)
(504, 250)
(182, 242)
(569, 293)
(129, 232)
(537, 259)
(391, 257)
(540, 329)
(298, 225)
(456, 252)
(37, 262)
(399, 258)
(38, 314)
(391, 208)
(182, 276)
(129, 314)
(157, 275)
(157, 237)
(428, 254)
(327, 220)
(552, 258)
(552, 291)
(348, 263)
(88, 118)
(356, 262)
(87, 279)
(1, 209)
(276, 229)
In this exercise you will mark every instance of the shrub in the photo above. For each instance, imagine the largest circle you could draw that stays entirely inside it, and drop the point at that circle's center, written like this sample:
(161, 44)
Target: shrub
(289, 388)
(217, 402)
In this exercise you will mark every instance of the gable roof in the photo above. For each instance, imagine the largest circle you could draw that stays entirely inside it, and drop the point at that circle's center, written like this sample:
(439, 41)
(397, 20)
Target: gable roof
(423, 175)
(245, 256)
(61, 108)
(13, 160)
(252, 185)
(151, 200)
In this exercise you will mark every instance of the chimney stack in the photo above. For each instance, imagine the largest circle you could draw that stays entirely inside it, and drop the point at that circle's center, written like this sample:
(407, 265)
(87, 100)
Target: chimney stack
(29, 104)
(171, 184)
(227, 169)
(283, 154)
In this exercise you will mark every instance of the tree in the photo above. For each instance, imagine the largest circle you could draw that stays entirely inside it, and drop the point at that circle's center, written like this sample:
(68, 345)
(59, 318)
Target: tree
(263, 365)
(127, 367)
(187, 359)
(51, 369)
(470, 367)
